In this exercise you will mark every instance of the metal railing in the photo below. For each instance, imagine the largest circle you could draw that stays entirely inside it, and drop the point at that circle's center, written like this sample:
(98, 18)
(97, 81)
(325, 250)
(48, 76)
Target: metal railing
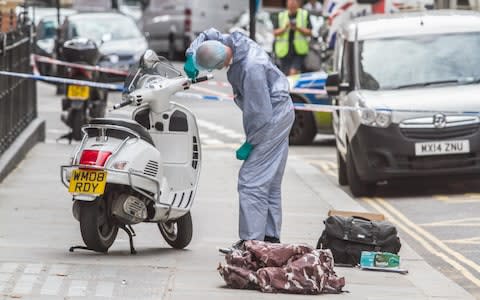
(18, 96)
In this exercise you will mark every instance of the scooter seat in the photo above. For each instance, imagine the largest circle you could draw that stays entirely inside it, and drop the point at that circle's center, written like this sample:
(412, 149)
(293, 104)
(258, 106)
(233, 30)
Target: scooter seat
(134, 126)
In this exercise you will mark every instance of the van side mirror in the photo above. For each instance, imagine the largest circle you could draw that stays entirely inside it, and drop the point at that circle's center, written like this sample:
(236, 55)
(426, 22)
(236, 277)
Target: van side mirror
(334, 86)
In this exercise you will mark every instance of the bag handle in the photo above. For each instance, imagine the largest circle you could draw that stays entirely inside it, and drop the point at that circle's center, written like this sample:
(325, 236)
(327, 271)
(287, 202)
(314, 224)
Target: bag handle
(361, 218)
(349, 223)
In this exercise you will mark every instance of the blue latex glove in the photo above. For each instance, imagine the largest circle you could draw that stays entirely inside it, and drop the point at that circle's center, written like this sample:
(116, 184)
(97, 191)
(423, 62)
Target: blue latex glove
(244, 151)
(189, 67)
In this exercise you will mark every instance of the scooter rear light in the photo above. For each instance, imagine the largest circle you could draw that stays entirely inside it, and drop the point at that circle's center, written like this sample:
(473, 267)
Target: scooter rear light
(94, 157)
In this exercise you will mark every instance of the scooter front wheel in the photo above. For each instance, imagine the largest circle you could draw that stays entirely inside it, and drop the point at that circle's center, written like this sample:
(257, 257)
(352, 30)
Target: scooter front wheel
(97, 227)
(177, 233)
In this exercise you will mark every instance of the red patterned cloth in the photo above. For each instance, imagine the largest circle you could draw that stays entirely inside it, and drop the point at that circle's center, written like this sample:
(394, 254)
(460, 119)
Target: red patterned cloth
(285, 268)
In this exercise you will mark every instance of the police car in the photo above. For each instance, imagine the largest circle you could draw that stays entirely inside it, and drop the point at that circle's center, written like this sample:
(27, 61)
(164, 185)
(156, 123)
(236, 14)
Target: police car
(407, 86)
(309, 88)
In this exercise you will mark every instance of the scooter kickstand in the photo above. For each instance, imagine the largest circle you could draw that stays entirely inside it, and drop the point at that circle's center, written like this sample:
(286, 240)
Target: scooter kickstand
(131, 230)
(81, 247)
(131, 233)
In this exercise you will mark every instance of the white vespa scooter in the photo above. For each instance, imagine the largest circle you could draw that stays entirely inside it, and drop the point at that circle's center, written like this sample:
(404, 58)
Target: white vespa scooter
(144, 168)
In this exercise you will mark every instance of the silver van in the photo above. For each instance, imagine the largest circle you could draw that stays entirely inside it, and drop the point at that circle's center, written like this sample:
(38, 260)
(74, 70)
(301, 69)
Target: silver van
(171, 25)
(408, 87)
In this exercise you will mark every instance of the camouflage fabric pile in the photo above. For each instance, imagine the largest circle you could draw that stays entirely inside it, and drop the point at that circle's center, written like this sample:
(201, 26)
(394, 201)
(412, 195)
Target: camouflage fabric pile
(281, 268)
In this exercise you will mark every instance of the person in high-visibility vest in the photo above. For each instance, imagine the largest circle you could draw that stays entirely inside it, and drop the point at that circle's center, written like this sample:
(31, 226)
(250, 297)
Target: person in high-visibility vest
(292, 37)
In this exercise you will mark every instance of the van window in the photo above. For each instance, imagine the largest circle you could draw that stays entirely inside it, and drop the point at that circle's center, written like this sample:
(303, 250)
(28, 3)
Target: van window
(418, 61)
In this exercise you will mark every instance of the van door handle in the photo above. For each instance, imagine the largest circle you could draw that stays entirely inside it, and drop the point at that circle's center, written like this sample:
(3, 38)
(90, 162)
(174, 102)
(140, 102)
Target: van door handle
(225, 7)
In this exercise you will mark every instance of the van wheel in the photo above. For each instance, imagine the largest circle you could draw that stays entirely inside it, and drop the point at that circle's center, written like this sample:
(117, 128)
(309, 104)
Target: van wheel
(358, 187)
(177, 233)
(341, 170)
(97, 227)
(303, 130)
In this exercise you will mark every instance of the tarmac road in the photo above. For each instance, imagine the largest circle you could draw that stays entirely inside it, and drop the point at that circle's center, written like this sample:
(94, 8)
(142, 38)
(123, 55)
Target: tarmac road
(438, 219)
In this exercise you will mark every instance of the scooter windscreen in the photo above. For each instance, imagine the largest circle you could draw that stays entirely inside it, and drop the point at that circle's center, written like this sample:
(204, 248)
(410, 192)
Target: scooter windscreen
(150, 64)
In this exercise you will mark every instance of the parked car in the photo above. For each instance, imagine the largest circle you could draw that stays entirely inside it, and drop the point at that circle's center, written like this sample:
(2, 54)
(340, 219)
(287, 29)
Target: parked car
(307, 124)
(36, 14)
(171, 25)
(410, 83)
(120, 41)
(46, 36)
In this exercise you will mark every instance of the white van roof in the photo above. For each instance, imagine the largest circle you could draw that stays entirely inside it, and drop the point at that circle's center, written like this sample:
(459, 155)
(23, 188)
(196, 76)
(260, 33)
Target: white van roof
(408, 24)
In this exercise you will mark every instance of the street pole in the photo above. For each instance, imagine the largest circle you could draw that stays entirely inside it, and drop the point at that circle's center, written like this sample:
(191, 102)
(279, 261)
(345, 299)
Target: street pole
(253, 8)
(57, 46)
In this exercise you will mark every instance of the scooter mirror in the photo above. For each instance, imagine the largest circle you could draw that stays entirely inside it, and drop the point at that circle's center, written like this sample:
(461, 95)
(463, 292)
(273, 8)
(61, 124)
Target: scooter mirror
(149, 59)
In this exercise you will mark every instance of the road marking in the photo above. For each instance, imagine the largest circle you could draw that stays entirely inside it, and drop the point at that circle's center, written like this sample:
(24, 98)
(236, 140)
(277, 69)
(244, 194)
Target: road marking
(467, 222)
(57, 131)
(327, 167)
(458, 199)
(59, 270)
(221, 146)
(212, 142)
(429, 247)
(8, 267)
(429, 236)
(62, 142)
(25, 284)
(469, 241)
(104, 289)
(212, 92)
(78, 288)
(4, 278)
(229, 133)
(52, 285)
(33, 269)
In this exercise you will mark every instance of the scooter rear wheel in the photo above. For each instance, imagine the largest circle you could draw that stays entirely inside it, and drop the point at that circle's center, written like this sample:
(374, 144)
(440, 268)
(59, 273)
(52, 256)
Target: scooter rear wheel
(177, 233)
(97, 227)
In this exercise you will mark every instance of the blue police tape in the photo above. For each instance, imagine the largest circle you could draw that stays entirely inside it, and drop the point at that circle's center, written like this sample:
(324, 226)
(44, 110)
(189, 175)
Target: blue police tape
(298, 106)
(107, 86)
(332, 108)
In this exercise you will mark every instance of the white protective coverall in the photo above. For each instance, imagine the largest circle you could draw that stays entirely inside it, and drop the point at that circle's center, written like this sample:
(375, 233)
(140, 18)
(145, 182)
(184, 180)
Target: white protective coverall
(261, 92)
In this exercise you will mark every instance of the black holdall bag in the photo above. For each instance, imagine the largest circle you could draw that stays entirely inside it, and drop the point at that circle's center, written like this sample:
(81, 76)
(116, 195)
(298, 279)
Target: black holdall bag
(347, 237)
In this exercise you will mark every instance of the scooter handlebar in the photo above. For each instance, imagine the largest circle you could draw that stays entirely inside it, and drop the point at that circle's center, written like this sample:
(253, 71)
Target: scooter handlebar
(203, 78)
(122, 104)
